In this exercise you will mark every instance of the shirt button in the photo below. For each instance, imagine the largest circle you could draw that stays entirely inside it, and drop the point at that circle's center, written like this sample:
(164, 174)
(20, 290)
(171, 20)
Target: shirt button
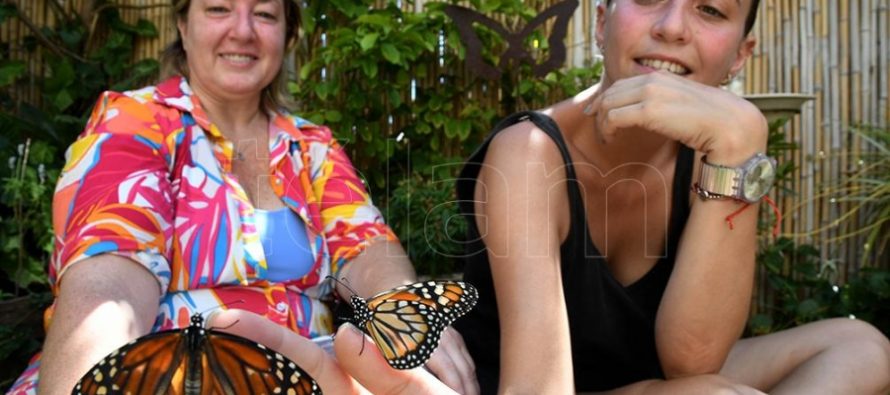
(281, 306)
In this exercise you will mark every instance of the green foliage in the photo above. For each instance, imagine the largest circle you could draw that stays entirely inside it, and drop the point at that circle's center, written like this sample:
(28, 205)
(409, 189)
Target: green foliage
(425, 216)
(77, 61)
(805, 289)
(867, 296)
(800, 285)
(803, 285)
(27, 232)
(866, 190)
(392, 86)
(77, 65)
(21, 328)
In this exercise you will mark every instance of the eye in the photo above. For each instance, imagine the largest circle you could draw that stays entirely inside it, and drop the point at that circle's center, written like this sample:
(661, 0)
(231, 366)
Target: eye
(216, 10)
(266, 15)
(711, 11)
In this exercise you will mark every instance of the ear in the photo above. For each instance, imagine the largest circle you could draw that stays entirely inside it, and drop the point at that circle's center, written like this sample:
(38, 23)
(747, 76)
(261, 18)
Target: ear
(600, 22)
(182, 27)
(746, 48)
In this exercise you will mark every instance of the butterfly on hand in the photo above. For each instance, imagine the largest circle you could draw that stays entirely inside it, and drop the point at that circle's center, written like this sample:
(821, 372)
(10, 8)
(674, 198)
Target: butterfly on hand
(193, 361)
(407, 322)
(464, 18)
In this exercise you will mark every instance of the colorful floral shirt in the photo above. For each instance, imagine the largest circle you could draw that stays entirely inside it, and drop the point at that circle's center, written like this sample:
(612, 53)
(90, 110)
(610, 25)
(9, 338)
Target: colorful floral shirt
(150, 179)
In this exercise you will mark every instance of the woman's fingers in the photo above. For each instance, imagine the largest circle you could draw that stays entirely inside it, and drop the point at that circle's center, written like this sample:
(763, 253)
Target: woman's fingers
(310, 357)
(663, 103)
(355, 371)
(374, 373)
(452, 364)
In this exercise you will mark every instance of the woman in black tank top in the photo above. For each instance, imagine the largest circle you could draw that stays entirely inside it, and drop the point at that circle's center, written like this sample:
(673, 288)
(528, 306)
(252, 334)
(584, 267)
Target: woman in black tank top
(598, 265)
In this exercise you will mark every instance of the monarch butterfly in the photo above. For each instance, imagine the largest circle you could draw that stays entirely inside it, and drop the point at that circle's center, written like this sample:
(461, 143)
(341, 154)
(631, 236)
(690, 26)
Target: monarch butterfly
(195, 361)
(406, 322)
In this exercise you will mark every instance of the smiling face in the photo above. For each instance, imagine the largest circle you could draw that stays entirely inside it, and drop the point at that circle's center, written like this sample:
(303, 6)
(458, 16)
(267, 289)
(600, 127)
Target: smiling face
(702, 40)
(234, 47)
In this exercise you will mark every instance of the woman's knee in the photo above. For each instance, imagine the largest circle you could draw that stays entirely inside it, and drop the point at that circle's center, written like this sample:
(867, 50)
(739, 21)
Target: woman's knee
(862, 342)
(711, 384)
(851, 331)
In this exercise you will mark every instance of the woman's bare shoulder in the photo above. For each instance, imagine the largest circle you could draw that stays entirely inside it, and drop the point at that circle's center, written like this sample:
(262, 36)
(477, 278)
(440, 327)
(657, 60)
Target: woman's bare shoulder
(522, 143)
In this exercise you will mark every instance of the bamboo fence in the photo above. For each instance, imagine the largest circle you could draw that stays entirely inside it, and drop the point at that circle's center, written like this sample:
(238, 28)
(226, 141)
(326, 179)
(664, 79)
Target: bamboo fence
(836, 50)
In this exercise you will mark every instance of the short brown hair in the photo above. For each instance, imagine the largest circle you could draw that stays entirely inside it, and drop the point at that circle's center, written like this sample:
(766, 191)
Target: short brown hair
(174, 60)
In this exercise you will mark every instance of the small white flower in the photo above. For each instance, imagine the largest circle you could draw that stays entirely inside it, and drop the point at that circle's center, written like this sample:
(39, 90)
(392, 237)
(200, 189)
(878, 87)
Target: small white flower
(12, 161)
(41, 173)
(21, 149)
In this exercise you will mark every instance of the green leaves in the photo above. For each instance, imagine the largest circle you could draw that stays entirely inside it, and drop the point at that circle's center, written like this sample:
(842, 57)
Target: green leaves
(10, 71)
(390, 53)
(395, 87)
(367, 42)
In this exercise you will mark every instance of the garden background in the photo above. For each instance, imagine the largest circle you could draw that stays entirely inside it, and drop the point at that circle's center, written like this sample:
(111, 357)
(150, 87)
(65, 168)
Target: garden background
(391, 78)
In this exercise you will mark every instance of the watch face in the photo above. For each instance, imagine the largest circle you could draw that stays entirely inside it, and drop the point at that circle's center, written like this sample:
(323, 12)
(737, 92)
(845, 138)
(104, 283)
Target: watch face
(759, 179)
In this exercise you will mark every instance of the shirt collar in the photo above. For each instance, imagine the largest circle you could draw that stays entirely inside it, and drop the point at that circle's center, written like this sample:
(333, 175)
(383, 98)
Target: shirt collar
(176, 92)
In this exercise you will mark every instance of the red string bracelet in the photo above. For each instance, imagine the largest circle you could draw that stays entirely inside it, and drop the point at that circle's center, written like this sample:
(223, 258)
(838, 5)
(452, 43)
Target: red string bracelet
(746, 205)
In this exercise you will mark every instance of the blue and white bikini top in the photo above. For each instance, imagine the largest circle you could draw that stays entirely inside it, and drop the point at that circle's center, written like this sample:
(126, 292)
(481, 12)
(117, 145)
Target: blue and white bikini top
(286, 244)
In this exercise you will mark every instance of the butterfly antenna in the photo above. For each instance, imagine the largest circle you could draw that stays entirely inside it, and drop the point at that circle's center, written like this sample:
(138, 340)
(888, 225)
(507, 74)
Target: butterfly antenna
(343, 283)
(222, 307)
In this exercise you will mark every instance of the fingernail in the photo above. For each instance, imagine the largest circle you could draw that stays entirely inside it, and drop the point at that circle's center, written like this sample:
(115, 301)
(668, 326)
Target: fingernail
(210, 317)
(351, 327)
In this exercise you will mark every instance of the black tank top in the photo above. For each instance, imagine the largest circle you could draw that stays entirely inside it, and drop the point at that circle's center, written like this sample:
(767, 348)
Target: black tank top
(612, 327)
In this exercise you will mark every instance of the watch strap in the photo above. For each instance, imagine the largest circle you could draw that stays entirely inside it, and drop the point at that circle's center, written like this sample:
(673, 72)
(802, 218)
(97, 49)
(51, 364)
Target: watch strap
(717, 181)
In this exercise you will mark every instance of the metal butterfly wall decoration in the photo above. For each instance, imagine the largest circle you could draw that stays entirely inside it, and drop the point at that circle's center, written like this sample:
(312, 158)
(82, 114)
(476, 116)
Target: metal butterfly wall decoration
(516, 52)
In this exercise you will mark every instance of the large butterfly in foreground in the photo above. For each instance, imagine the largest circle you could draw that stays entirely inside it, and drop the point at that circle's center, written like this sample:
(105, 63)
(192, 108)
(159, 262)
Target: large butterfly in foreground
(194, 361)
(406, 322)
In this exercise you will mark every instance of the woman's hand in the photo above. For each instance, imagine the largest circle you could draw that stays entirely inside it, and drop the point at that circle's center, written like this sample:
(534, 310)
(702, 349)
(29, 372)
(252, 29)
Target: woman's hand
(352, 371)
(718, 123)
(452, 364)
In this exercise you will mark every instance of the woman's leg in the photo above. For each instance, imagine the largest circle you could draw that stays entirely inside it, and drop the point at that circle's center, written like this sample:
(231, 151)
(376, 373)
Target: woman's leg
(708, 384)
(836, 356)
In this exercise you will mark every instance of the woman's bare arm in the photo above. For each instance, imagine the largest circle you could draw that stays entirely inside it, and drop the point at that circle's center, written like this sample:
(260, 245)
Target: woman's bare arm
(521, 202)
(103, 303)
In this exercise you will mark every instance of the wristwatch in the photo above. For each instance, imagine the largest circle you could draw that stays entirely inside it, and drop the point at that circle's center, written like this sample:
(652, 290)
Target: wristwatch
(748, 182)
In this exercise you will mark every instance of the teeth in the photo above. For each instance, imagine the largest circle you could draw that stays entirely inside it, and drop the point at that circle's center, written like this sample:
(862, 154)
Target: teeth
(238, 58)
(664, 65)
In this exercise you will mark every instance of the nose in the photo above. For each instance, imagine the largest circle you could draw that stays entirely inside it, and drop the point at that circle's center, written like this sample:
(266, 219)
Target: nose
(244, 26)
(671, 25)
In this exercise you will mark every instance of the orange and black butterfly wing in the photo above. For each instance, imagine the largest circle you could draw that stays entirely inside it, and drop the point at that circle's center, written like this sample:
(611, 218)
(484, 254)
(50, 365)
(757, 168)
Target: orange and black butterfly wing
(406, 332)
(407, 322)
(195, 361)
(144, 366)
(235, 365)
(452, 299)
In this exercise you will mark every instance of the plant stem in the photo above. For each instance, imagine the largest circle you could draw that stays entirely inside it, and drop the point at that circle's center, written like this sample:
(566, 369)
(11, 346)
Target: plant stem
(19, 215)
